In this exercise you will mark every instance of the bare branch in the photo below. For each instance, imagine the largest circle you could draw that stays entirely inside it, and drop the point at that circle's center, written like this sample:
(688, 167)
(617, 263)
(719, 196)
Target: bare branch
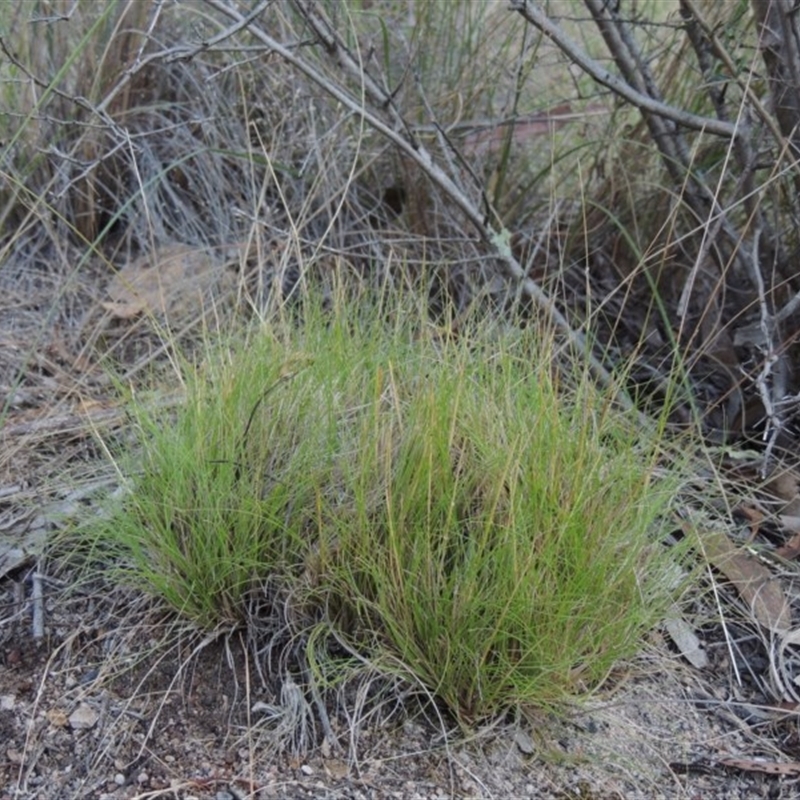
(778, 42)
(771, 384)
(399, 133)
(187, 53)
(722, 53)
(532, 13)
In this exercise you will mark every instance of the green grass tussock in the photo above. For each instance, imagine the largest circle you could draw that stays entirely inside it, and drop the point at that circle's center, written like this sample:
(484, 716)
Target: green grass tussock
(452, 507)
(512, 557)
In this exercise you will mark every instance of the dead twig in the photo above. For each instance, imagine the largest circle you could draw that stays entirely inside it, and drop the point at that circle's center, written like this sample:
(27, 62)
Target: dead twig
(771, 384)
(37, 601)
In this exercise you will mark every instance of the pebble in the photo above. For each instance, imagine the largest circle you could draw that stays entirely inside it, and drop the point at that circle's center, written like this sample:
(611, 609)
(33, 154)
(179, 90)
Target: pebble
(524, 742)
(83, 718)
(119, 779)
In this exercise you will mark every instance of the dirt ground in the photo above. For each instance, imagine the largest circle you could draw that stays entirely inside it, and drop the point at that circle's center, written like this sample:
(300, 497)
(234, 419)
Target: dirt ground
(103, 696)
(125, 708)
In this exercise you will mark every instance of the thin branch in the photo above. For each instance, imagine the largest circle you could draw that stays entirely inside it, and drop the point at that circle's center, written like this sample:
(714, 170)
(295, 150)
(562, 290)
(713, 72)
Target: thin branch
(400, 135)
(188, 53)
(638, 76)
(49, 86)
(533, 14)
(771, 386)
(733, 71)
(638, 86)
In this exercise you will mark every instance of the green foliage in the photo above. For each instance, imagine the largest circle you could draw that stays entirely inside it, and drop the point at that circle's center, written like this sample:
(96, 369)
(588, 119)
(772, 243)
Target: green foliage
(454, 507)
(505, 548)
(224, 489)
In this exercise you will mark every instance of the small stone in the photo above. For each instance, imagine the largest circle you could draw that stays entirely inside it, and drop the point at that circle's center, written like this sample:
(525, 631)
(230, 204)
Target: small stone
(142, 777)
(119, 779)
(524, 742)
(58, 718)
(83, 717)
(7, 702)
(306, 770)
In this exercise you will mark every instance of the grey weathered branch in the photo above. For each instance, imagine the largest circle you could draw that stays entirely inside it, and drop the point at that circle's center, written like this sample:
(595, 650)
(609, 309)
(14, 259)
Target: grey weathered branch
(637, 85)
(532, 13)
(386, 120)
(638, 76)
(778, 35)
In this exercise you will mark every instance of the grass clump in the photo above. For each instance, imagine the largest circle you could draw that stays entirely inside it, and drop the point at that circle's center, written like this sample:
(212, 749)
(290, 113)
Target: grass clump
(452, 507)
(505, 547)
(209, 511)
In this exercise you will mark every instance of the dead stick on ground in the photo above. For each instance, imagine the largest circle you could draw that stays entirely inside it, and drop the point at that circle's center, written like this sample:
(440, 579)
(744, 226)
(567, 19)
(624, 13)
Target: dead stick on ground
(37, 600)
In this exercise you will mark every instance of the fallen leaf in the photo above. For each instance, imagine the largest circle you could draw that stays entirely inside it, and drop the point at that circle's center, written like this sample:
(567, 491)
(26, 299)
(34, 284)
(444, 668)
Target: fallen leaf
(174, 280)
(752, 580)
(754, 516)
(336, 769)
(785, 485)
(791, 549)
(686, 641)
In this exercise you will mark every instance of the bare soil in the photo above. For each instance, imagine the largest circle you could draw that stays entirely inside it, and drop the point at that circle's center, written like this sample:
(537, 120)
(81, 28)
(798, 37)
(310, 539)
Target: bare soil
(144, 710)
